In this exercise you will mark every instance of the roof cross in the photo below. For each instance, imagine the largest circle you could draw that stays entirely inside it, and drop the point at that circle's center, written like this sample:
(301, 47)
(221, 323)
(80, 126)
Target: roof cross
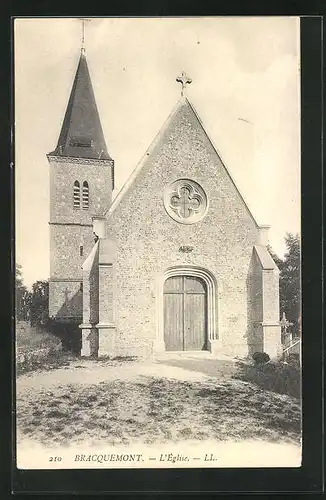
(183, 79)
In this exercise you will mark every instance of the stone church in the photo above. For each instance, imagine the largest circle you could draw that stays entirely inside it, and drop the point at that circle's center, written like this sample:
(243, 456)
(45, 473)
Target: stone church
(175, 262)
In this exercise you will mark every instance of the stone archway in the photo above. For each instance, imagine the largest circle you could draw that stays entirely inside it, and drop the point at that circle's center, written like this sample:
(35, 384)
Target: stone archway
(185, 313)
(209, 286)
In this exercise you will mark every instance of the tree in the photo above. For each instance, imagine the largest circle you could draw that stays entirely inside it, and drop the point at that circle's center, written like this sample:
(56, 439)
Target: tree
(22, 303)
(18, 276)
(290, 279)
(40, 303)
(290, 289)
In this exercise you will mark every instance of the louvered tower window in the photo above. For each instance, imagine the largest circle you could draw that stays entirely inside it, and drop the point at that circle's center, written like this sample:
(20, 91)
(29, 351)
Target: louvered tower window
(85, 195)
(76, 195)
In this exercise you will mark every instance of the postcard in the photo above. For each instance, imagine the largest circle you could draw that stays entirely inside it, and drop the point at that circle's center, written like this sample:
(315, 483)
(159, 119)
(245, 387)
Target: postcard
(158, 253)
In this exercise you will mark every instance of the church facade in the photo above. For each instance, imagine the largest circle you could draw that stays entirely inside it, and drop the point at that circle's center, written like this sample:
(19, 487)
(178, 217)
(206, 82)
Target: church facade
(176, 262)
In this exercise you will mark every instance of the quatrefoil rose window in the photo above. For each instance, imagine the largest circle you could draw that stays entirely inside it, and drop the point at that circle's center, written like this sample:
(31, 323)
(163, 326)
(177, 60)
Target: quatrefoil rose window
(185, 201)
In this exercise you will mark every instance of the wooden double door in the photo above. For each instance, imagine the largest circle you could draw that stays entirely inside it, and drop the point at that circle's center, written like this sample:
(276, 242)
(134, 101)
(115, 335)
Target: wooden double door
(185, 314)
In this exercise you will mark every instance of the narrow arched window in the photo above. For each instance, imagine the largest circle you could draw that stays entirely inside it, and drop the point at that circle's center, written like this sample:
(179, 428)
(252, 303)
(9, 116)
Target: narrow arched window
(85, 195)
(76, 194)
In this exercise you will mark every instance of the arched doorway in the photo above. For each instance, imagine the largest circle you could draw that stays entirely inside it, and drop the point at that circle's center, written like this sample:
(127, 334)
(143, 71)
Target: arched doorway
(185, 313)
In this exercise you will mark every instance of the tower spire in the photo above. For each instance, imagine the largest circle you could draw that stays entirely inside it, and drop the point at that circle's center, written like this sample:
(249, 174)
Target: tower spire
(81, 133)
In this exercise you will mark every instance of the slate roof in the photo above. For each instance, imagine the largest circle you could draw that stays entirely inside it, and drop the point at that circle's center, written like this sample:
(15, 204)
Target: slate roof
(81, 134)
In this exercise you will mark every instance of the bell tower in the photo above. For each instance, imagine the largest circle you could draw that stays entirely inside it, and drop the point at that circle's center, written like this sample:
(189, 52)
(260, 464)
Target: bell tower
(81, 184)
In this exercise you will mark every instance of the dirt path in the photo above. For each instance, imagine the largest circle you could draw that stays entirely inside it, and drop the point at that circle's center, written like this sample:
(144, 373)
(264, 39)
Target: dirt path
(174, 399)
(90, 372)
(83, 371)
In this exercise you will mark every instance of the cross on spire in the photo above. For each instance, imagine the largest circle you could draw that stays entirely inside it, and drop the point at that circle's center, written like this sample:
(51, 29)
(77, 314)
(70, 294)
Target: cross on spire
(83, 21)
(183, 79)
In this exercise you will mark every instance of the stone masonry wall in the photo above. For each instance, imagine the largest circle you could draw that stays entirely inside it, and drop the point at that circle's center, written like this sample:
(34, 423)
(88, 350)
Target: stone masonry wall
(66, 261)
(65, 300)
(271, 296)
(71, 228)
(63, 174)
(94, 293)
(148, 239)
(255, 306)
(271, 326)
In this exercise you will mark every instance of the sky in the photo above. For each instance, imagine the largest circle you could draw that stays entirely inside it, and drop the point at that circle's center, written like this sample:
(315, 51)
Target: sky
(245, 87)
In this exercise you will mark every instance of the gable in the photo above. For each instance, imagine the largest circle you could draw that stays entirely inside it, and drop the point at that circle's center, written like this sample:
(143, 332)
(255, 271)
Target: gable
(139, 220)
(176, 130)
(141, 224)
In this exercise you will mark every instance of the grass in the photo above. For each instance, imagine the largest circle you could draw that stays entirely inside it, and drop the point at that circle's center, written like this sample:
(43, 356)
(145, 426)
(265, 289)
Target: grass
(38, 350)
(156, 410)
(283, 378)
(29, 338)
(234, 402)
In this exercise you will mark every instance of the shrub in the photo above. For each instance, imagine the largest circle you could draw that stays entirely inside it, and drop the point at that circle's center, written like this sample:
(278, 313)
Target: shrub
(293, 359)
(38, 359)
(276, 376)
(260, 357)
(37, 349)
